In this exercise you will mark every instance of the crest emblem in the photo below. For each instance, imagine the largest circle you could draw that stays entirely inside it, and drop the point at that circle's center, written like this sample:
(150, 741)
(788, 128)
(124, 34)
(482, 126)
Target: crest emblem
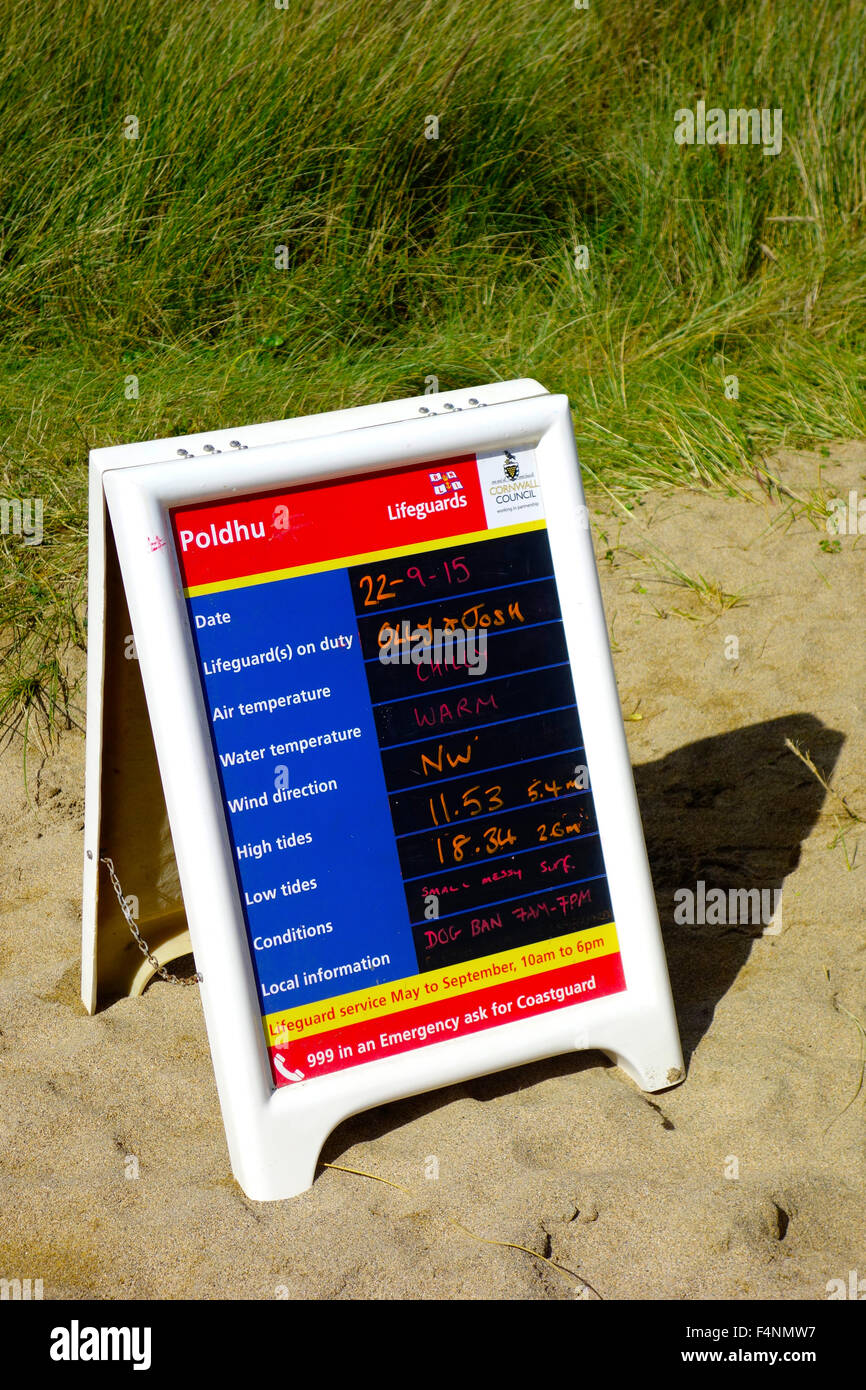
(511, 467)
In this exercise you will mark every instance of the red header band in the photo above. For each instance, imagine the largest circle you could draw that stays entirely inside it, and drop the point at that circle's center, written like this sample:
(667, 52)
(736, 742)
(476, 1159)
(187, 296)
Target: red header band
(305, 526)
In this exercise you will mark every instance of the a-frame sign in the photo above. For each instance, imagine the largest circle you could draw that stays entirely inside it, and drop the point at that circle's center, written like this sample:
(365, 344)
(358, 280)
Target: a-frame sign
(354, 739)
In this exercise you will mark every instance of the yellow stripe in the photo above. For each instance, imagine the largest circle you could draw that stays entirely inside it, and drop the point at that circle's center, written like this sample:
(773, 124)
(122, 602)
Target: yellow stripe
(381, 1000)
(371, 557)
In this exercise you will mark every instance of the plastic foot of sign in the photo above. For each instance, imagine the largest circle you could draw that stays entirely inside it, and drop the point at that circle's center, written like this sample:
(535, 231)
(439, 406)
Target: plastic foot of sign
(644, 1045)
(646, 1051)
(296, 1170)
(655, 1078)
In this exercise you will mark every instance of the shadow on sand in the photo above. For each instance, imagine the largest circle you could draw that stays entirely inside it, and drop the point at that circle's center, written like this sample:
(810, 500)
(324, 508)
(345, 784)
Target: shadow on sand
(733, 811)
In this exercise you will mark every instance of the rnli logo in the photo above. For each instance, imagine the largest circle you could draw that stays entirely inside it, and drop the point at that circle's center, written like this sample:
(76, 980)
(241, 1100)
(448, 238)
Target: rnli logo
(511, 467)
(445, 482)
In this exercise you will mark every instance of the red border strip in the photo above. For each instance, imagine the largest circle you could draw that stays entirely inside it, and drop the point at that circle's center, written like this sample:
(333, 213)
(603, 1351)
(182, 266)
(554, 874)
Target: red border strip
(474, 1010)
(259, 533)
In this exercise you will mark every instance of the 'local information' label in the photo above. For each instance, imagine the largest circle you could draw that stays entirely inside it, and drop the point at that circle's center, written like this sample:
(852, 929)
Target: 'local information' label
(398, 745)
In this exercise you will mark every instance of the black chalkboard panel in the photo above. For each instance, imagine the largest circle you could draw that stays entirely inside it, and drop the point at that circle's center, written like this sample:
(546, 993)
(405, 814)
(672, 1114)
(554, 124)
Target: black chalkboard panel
(482, 751)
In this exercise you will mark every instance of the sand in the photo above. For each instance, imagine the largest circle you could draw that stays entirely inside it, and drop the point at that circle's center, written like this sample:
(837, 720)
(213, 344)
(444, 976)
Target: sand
(747, 1181)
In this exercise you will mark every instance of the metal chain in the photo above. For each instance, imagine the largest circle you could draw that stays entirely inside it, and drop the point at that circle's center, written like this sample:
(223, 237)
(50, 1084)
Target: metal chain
(133, 927)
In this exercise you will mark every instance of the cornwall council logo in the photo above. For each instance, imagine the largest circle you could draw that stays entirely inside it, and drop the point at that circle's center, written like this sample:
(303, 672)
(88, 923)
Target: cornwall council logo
(511, 467)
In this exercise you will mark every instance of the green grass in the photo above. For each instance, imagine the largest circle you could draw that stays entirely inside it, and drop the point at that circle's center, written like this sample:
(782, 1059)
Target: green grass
(409, 257)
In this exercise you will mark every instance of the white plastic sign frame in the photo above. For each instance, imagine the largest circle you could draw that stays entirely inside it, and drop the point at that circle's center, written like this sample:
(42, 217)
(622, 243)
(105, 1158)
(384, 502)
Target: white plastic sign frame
(275, 1135)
